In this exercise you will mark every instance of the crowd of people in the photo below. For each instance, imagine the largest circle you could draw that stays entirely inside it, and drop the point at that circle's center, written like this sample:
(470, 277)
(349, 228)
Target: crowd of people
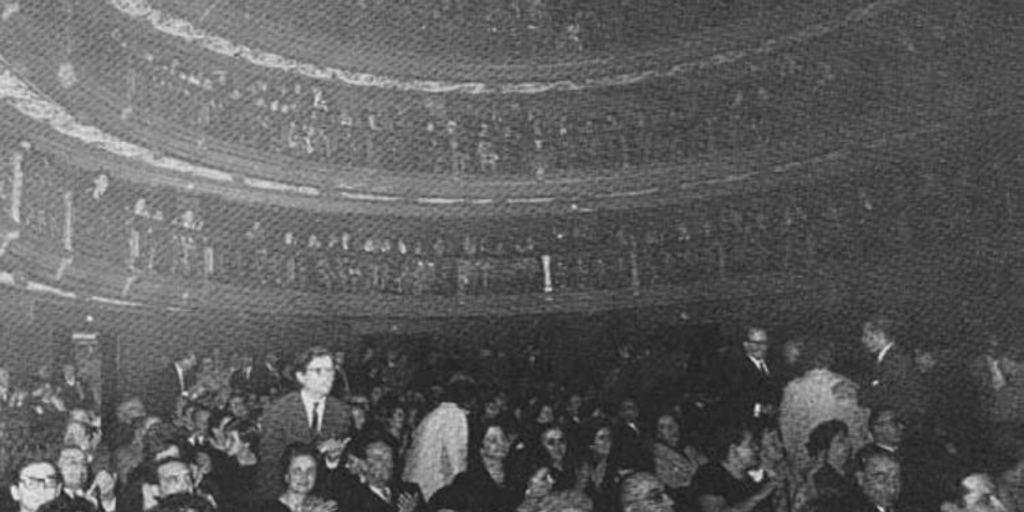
(779, 429)
(765, 99)
(195, 237)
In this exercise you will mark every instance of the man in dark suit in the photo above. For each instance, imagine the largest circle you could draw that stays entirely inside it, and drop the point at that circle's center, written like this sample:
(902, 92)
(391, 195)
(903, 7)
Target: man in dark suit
(893, 380)
(266, 377)
(879, 482)
(171, 384)
(308, 415)
(242, 378)
(375, 488)
(752, 391)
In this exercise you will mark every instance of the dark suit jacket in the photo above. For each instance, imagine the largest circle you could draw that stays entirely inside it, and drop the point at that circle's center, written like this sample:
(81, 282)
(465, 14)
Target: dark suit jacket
(284, 423)
(357, 497)
(240, 382)
(746, 386)
(896, 383)
(163, 391)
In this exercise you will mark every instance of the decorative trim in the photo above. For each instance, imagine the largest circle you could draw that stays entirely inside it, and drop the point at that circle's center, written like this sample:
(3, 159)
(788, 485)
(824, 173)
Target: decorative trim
(190, 33)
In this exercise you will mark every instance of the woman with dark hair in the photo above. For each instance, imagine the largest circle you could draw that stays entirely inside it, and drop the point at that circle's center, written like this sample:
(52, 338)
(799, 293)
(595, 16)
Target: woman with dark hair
(599, 474)
(827, 480)
(675, 460)
(550, 449)
(818, 395)
(299, 464)
(729, 481)
(484, 486)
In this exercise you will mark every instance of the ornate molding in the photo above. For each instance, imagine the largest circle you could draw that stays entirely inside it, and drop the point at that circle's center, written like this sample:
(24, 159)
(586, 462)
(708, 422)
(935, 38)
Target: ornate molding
(188, 32)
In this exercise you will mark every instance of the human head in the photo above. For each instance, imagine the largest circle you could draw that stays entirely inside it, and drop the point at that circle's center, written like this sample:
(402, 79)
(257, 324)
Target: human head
(34, 483)
(494, 443)
(299, 463)
(878, 332)
(886, 426)
(314, 370)
(540, 483)
(878, 475)
(376, 458)
(242, 435)
(668, 429)
(187, 359)
(735, 444)
(828, 438)
(643, 492)
(553, 443)
(755, 344)
(238, 406)
(599, 438)
(171, 476)
(73, 465)
(130, 409)
(628, 410)
(978, 494)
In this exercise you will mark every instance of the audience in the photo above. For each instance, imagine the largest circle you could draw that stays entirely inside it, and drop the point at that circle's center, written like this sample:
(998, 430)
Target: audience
(541, 446)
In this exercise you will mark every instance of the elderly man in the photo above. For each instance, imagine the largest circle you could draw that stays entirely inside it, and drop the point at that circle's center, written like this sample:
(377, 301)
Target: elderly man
(879, 482)
(375, 488)
(309, 415)
(752, 390)
(37, 483)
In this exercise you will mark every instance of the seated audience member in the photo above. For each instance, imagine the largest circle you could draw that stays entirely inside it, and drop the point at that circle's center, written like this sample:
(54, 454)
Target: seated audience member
(675, 461)
(74, 471)
(827, 479)
(236, 471)
(599, 474)
(60, 505)
(485, 485)
(299, 466)
(643, 492)
(977, 494)
(35, 483)
(167, 477)
(129, 456)
(122, 432)
(774, 462)
(886, 432)
(376, 488)
(550, 449)
(538, 486)
(878, 485)
(727, 482)
(629, 450)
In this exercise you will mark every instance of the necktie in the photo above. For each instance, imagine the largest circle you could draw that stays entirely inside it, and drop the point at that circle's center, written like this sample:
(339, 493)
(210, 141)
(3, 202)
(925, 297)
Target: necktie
(314, 425)
(385, 493)
(763, 367)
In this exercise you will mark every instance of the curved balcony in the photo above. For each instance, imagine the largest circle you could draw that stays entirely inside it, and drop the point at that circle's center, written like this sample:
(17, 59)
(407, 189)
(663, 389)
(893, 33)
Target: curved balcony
(67, 227)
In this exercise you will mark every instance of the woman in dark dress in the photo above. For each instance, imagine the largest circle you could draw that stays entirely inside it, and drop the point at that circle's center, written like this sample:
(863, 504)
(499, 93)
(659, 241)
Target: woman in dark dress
(829, 479)
(299, 469)
(485, 485)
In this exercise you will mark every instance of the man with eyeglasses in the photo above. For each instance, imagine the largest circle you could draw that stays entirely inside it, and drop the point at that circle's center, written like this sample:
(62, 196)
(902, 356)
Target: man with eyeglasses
(36, 483)
(309, 415)
(752, 391)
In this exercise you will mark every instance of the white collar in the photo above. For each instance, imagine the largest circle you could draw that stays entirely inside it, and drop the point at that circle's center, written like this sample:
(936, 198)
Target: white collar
(758, 362)
(308, 400)
(884, 351)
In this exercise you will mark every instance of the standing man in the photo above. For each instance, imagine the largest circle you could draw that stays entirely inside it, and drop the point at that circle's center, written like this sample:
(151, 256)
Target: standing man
(752, 390)
(309, 415)
(893, 380)
(170, 385)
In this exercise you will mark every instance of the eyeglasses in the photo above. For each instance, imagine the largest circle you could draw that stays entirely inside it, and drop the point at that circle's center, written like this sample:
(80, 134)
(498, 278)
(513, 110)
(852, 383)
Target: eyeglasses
(33, 483)
(553, 441)
(321, 371)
